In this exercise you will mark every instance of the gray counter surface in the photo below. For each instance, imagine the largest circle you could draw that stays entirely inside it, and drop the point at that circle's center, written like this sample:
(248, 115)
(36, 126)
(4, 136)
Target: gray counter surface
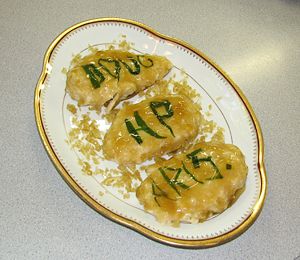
(256, 42)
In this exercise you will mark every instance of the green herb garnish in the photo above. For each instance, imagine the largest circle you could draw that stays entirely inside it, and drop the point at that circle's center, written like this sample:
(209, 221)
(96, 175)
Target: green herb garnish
(228, 166)
(142, 127)
(158, 192)
(167, 179)
(171, 168)
(196, 163)
(156, 201)
(168, 107)
(136, 70)
(96, 77)
(217, 174)
(190, 155)
(154, 185)
(116, 73)
(149, 61)
(133, 132)
(161, 192)
(177, 174)
(93, 73)
(190, 174)
(181, 184)
(195, 159)
(173, 182)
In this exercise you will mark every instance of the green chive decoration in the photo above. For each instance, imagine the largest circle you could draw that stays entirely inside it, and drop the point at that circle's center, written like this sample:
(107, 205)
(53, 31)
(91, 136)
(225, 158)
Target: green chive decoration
(93, 73)
(154, 187)
(174, 181)
(171, 168)
(158, 192)
(154, 193)
(167, 179)
(142, 127)
(137, 68)
(141, 59)
(156, 201)
(217, 174)
(196, 163)
(181, 184)
(96, 77)
(228, 166)
(168, 107)
(116, 73)
(190, 174)
(194, 153)
(193, 156)
(133, 132)
(177, 174)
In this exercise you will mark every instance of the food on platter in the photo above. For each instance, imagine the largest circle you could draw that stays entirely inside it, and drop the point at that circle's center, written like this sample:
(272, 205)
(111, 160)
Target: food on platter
(109, 76)
(195, 185)
(191, 178)
(151, 128)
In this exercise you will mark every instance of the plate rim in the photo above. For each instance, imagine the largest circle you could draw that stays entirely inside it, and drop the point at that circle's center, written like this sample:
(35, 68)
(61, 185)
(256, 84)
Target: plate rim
(201, 243)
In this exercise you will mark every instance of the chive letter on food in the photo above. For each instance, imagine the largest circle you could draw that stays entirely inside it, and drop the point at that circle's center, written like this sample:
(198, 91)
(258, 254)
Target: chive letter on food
(196, 163)
(137, 68)
(228, 166)
(190, 174)
(142, 127)
(133, 132)
(167, 179)
(93, 73)
(158, 192)
(116, 72)
(173, 182)
(217, 174)
(168, 107)
(141, 60)
(195, 159)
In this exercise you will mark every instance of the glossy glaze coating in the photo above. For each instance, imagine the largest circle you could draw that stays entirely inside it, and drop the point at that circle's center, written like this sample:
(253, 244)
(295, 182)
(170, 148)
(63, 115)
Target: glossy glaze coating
(119, 145)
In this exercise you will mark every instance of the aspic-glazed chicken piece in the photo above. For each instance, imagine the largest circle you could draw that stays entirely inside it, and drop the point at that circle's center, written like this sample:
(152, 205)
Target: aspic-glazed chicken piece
(195, 185)
(107, 77)
(151, 128)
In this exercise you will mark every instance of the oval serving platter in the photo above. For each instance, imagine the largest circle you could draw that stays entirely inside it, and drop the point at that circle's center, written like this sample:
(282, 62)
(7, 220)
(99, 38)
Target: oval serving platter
(229, 108)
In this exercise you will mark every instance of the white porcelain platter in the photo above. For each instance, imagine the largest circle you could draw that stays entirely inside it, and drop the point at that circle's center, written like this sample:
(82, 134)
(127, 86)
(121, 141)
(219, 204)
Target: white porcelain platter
(220, 96)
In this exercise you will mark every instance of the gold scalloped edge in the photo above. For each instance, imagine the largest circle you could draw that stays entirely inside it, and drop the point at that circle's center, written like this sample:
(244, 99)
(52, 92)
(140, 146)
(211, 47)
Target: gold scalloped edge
(202, 243)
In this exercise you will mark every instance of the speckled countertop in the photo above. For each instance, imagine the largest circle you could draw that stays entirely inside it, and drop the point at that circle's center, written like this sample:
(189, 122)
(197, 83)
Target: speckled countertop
(256, 42)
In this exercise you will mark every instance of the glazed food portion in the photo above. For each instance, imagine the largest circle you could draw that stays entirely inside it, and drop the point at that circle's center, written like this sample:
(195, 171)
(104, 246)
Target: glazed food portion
(107, 77)
(151, 128)
(194, 186)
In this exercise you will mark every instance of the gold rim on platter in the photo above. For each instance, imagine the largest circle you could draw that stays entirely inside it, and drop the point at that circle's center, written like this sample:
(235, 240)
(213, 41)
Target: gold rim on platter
(203, 243)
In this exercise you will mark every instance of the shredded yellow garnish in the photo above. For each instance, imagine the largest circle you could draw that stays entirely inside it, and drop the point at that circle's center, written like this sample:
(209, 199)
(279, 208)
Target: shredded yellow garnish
(183, 88)
(86, 138)
(64, 70)
(72, 108)
(92, 49)
(125, 45)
